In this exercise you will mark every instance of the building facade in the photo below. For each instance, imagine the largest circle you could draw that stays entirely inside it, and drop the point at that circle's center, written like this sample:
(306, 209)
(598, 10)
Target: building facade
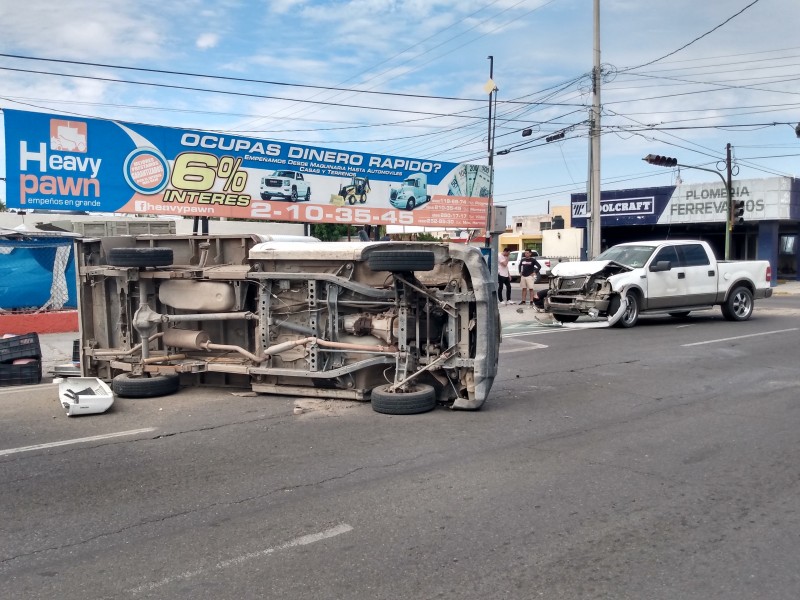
(699, 211)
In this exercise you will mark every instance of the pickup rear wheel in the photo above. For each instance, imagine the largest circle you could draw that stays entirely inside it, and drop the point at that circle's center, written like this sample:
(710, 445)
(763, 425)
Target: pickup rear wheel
(739, 305)
(631, 315)
(420, 399)
(308, 194)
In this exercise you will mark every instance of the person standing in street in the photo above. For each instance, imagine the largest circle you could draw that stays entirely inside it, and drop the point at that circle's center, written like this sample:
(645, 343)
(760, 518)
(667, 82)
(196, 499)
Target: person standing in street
(503, 277)
(528, 270)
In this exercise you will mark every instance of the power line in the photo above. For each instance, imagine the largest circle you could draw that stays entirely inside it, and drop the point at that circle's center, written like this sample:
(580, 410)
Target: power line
(700, 37)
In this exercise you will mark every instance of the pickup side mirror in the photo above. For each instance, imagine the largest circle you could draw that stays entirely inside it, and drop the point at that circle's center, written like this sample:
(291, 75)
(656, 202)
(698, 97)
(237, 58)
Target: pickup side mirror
(661, 265)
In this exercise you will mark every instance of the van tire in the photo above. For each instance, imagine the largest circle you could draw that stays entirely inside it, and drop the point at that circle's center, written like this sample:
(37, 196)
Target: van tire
(127, 386)
(421, 399)
(400, 262)
(140, 257)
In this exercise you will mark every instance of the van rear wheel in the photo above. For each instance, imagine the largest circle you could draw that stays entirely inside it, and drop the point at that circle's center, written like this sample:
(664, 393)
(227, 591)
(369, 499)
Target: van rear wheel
(126, 385)
(421, 398)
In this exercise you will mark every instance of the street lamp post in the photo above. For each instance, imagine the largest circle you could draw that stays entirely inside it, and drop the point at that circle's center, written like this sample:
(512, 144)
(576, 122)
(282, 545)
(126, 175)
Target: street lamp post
(735, 213)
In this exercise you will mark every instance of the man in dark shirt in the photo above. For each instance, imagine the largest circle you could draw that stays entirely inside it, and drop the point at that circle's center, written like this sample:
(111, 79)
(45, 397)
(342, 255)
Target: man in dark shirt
(528, 270)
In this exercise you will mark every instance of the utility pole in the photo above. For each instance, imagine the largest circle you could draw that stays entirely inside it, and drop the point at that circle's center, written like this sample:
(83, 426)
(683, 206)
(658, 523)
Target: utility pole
(594, 134)
(729, 193)
(491, 240)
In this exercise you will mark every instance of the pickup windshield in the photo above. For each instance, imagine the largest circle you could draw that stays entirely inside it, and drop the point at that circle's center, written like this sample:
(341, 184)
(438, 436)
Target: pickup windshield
(632, 256)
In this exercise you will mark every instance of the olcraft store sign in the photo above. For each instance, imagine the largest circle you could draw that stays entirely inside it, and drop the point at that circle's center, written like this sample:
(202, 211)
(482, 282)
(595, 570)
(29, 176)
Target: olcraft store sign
(59, 162)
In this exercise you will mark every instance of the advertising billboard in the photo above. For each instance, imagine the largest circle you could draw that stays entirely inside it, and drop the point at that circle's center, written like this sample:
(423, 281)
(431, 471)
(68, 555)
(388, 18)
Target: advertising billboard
(58, 162)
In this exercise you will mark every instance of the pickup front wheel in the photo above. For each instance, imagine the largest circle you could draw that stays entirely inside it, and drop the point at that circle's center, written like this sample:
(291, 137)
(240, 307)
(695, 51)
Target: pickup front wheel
(739, 305)
(631, 315)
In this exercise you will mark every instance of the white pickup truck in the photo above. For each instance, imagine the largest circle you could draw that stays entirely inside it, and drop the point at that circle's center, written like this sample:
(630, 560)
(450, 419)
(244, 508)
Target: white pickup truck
(673, 277)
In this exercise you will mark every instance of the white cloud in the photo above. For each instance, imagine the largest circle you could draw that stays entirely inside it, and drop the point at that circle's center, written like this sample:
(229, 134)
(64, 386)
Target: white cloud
(81, 29)
(207, 40)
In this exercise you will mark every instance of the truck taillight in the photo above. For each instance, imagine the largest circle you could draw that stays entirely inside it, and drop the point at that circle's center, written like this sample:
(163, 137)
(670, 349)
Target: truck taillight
(769, 273)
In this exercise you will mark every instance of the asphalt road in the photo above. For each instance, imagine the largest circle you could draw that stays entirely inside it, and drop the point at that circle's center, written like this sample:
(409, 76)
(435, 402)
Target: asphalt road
(659, 462)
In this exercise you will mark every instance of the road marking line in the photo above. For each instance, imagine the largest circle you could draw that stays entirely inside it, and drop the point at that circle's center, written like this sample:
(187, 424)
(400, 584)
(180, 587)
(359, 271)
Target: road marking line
(536, 332)
(528, 346)
(94, 438)
(301, 541)
(740, 337)
(26, 388)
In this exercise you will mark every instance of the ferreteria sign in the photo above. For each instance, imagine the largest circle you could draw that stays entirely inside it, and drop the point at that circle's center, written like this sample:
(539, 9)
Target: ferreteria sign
(59, 162)
(712, 204)
(774, 198)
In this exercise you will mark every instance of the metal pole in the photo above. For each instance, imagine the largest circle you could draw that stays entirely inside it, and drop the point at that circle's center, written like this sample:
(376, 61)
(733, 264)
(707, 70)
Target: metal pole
(491, 240)
(595, 239)
(728, 187)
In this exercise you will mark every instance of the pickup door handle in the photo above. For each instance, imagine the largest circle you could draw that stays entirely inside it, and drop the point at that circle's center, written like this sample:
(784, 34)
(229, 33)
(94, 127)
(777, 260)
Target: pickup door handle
(681, 275)
(711, 273)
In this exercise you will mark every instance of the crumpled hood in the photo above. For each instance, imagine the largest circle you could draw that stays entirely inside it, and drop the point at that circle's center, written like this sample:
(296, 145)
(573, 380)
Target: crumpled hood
(573, 269)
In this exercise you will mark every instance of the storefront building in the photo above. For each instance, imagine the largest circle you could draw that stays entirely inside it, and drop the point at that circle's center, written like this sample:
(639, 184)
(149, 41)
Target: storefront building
(699, 211)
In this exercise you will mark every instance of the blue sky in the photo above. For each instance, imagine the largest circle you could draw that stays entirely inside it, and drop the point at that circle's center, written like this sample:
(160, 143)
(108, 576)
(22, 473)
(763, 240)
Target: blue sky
(407, 78)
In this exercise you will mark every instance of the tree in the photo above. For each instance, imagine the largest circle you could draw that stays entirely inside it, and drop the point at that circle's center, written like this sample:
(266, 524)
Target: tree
(328, 232)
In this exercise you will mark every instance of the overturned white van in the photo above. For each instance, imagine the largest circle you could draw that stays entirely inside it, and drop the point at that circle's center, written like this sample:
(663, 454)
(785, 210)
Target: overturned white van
(405, 325)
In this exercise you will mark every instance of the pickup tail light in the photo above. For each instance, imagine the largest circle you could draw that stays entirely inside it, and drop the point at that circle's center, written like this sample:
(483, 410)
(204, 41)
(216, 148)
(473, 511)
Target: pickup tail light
(769, 273)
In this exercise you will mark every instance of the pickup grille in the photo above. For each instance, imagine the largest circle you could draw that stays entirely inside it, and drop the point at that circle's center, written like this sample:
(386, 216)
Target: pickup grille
(273, 182)
(571, 284)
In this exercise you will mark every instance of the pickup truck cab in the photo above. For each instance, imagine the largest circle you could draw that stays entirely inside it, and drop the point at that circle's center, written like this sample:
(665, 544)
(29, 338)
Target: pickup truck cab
(286, 185)
(673, 277)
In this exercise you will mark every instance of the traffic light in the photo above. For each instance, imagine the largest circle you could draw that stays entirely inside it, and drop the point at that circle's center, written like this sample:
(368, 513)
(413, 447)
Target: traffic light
(661, 161)
(737, 215)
